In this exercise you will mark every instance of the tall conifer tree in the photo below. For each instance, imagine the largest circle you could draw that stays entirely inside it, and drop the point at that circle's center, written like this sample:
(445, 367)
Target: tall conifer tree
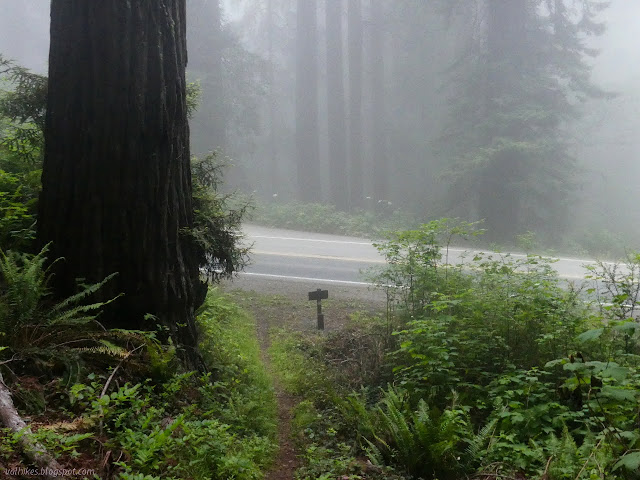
(116, 182)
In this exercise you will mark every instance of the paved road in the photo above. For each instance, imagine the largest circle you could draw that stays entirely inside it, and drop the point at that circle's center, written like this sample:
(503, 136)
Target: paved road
(321, 258)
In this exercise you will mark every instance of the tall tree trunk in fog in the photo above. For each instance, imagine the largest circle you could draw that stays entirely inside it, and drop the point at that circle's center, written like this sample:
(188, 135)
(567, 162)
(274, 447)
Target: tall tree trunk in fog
(355, 34)
(499, 200)
(380, 168)
(336, 107)
(273, 121)
(205, 37)
(116, 182)
(307, 141)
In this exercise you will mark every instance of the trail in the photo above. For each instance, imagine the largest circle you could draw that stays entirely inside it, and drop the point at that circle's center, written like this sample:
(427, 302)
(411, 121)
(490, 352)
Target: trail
(284, 304)
(286, 463)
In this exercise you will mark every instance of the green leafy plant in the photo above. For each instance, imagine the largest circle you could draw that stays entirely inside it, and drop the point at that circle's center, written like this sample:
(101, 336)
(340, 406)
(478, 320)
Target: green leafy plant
(325, 463)
(18, 198)
(418, 263)
(425, 442)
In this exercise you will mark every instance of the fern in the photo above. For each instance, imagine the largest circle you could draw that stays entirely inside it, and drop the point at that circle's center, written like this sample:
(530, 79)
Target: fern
(480, 443)
(424, 442)
(374, 453)
(24, 284)
(354, 409)
(63, 307)
(52, 334)
(139, 336)
(572, 462)
(105, 348)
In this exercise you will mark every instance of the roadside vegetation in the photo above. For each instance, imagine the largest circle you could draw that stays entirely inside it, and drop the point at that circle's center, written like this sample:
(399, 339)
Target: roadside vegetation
(326, 218)
(493, 369)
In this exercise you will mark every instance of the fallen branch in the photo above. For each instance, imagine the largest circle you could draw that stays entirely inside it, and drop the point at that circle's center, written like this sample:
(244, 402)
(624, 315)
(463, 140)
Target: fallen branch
(113, 373)
(35, 452)
(108, 382)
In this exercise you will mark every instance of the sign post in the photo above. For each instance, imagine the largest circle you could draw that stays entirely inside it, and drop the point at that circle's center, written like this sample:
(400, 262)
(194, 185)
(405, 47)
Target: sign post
(318, 295)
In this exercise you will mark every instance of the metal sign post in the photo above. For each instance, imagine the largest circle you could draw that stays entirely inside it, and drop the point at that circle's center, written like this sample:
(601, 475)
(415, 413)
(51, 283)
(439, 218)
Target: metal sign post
(318, 295)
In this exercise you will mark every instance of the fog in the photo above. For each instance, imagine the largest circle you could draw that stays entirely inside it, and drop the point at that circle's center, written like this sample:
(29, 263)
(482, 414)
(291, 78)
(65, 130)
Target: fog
(441, 108)
(618, 64)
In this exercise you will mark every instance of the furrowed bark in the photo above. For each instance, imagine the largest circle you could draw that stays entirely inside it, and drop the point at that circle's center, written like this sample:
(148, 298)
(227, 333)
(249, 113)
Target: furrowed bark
(116, 178)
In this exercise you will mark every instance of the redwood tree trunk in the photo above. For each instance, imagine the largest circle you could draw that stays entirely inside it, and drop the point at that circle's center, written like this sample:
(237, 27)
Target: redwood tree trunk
(307, 141)
(116, 193)
(274, 169)
(335, 107)
(499, 189)
(355, 40)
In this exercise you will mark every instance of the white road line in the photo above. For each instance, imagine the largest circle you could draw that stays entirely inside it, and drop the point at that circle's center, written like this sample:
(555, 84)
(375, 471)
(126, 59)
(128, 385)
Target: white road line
(344, 282)
(319, 257)
(571, 277)
(308, 279)
(310, 240)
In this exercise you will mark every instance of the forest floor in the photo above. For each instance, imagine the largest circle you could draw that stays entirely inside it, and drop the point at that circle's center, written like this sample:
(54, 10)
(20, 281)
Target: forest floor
(290, 309)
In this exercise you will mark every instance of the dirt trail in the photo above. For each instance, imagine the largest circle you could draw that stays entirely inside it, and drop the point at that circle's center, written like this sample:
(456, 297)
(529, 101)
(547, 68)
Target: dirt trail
(285, 305)
(286, 463)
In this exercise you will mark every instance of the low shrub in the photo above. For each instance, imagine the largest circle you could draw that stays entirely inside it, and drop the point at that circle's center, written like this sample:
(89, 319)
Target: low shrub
(325, 218)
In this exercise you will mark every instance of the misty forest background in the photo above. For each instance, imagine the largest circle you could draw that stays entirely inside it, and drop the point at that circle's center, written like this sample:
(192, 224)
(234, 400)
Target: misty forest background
(124, 357)
(522, 114)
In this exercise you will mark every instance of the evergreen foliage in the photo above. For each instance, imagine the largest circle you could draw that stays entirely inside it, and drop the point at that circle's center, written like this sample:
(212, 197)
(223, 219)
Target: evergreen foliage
(522, 80)
(217, 221)
(21, 123)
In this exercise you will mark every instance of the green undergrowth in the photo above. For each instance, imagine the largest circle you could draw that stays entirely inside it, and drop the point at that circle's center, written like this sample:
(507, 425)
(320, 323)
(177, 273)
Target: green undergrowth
(321, 370)
(118, 403)
(221, 425)
(492, 369)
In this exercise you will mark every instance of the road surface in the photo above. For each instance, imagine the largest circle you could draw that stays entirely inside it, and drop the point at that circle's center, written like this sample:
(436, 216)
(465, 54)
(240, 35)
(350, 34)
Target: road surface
(332, 259)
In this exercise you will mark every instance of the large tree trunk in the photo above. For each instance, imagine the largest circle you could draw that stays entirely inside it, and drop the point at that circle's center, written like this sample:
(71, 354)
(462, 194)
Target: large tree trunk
(116, 182)
(355, 40)
(307, 141)
(335, 107)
